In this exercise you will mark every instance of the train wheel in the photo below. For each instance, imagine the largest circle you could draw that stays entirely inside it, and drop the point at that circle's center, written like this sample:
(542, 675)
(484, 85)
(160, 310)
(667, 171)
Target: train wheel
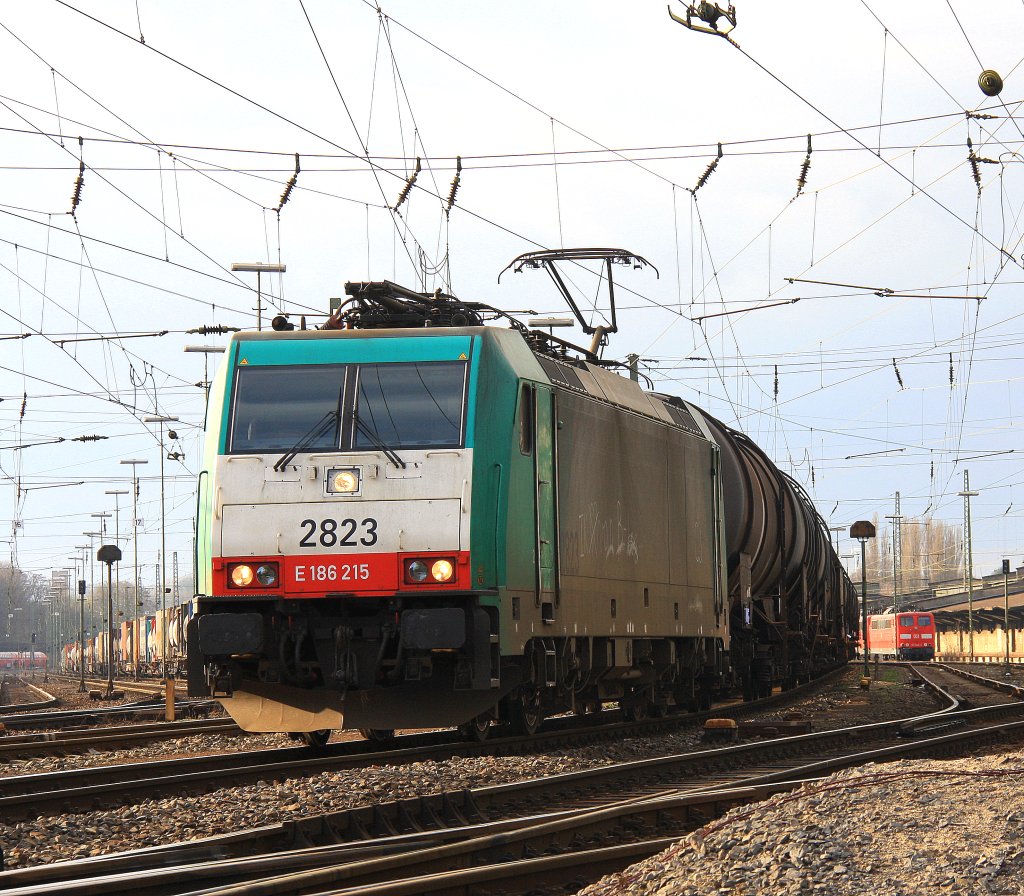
(378, 735)
(316, 739)
(526, 711)
(635, 707)
(477, 729)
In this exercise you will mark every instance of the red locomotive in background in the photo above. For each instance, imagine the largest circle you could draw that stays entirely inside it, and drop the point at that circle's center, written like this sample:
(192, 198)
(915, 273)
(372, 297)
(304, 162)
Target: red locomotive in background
(902, 636)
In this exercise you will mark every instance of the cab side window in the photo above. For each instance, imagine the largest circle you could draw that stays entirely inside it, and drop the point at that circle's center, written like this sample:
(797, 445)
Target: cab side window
(526, 418)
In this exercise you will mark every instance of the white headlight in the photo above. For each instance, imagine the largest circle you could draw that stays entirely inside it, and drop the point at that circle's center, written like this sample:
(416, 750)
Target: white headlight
(343, 481)
(442, 570)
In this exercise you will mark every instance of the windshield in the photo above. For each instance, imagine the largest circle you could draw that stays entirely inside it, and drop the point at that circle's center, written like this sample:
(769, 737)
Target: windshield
(399, 405)
(415, 405)
(276, 406)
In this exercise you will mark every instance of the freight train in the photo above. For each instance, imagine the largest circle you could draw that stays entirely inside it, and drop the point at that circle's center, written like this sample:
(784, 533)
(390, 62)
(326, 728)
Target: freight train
(138, 645)
(408, 518)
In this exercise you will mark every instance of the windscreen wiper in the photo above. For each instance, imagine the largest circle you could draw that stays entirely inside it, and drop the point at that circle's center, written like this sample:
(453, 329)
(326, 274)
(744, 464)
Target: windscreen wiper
(378, 442)
(321, 428)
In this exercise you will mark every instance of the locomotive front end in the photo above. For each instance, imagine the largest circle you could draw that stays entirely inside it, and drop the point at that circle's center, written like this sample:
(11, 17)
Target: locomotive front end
(334, 534)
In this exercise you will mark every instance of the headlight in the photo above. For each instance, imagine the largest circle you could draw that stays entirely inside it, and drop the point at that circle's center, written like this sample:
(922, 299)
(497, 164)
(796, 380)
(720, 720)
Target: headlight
(266, 574)
(259, 575)
(415, 571)
(422, 571)
(442, 570)
(343, 480)
(241, 575)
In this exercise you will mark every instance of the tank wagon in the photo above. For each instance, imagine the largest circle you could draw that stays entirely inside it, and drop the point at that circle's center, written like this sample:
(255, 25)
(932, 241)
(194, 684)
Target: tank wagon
(410, 519)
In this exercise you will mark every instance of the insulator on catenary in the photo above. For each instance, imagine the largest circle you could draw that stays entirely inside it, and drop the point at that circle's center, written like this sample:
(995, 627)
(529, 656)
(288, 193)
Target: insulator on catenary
(455, 183)
(950, 368)
(210, 329)
(973, 159)
(899, 379)
(76, 195)
(776, 382)
(801, 181)
(708, 171)
(409, 181)
(288, 187)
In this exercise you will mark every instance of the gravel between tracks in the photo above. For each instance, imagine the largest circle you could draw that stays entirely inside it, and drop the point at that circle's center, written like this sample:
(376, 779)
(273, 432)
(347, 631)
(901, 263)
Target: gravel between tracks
(900, 829)
(49, 839)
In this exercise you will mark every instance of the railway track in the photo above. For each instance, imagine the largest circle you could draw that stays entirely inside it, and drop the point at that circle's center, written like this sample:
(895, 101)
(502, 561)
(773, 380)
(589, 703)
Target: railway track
(130, 685)
(106, 787)
(75, 718)
(21, 746)
(563, 830)
(45, 701)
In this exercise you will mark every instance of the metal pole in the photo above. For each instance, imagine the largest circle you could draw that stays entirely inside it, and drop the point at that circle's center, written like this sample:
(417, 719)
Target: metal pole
(1006, 613)
(897, 555)
(81, 636)
(967, 494)
(92, 591)
(259, 268)
(163, 543)
(163, 561)
(110, 629)
(135, 543)
(864, 604)
(135, 540)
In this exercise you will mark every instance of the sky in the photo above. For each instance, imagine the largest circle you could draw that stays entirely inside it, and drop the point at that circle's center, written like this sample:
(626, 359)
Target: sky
(837, 283)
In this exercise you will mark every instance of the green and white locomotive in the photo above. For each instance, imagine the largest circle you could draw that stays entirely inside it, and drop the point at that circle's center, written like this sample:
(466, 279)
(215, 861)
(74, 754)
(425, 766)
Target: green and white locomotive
(413, 520)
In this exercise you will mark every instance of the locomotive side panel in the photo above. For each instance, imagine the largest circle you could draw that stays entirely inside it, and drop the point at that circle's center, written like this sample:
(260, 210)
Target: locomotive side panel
(635, 502)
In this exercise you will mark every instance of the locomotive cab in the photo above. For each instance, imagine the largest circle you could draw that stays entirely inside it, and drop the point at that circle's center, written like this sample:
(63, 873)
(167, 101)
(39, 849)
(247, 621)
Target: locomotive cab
(337, 507)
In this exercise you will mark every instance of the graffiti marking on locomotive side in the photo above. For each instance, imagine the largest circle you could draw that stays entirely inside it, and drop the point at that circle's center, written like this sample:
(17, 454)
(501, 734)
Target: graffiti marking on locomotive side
(606, 536)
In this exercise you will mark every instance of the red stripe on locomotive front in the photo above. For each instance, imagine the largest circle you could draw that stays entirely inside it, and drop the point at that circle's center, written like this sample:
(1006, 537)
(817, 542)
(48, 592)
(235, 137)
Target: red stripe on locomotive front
(317, 575)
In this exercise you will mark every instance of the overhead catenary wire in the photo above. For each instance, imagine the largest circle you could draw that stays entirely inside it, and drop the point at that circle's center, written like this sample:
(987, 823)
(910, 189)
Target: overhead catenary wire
(729, 372)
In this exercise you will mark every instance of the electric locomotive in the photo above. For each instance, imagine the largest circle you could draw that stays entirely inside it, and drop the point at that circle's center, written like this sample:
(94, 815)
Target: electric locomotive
(417, 520)
(902, 636)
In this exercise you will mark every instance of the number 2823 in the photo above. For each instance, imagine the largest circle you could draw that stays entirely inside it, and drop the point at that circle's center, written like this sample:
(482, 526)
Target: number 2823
(331, 533)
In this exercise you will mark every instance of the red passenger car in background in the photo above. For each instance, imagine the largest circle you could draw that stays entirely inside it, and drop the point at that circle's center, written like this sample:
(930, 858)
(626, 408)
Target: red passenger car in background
(902, 636)
(17, 660)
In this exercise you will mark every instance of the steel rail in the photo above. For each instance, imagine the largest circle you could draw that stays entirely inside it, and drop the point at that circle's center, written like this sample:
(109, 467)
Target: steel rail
(19, 746)
(428, 811)
(46, 701)
(74, 717)
(423, 863)
(105, 786)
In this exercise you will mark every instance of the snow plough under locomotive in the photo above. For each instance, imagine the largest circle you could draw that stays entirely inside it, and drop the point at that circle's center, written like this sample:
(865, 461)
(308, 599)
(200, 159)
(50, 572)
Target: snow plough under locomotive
(410, 519)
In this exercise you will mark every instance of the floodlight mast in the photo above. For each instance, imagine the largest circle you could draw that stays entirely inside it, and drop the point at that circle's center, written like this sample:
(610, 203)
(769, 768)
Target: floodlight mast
(259, 268)
(862, 530)
(162, 419)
